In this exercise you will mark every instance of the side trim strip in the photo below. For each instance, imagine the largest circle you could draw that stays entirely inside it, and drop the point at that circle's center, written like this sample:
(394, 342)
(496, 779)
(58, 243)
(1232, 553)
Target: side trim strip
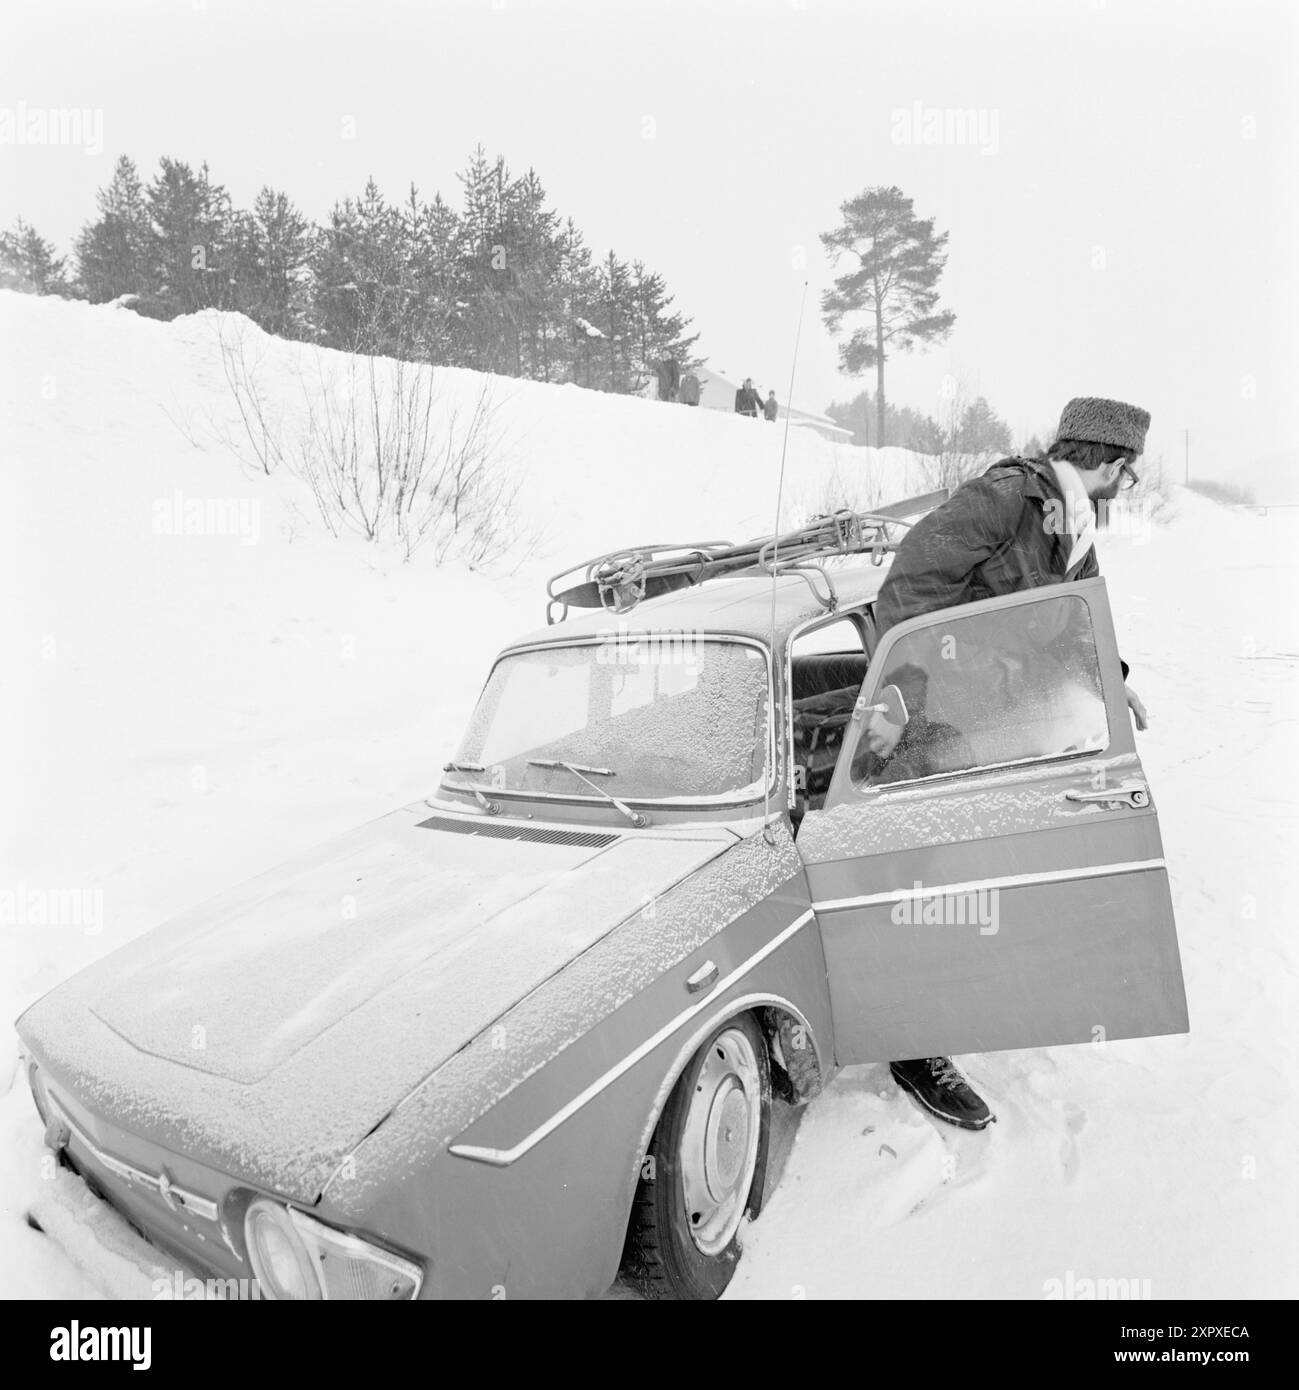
(501, 1157)
(976, 885)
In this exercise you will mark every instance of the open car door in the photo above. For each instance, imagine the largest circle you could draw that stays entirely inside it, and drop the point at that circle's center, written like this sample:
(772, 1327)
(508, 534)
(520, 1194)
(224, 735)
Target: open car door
(987, 868)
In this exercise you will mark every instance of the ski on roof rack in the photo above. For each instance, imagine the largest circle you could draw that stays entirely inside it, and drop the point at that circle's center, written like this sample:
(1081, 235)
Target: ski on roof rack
(620, 579)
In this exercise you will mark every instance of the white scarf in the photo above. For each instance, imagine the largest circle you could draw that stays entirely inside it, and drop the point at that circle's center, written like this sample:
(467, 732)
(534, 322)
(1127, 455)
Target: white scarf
(1079, 519)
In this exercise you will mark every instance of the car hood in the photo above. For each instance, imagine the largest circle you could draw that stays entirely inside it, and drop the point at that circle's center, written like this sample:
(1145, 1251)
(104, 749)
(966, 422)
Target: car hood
(270, 1030)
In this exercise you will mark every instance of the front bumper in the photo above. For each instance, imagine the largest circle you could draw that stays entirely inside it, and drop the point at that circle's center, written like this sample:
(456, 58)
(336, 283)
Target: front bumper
(179, 1226)
(106, 1251)
(173, 1218)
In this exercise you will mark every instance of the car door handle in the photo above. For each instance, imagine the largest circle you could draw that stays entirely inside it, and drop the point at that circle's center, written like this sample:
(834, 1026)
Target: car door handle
(1125, 794)
(703, 977)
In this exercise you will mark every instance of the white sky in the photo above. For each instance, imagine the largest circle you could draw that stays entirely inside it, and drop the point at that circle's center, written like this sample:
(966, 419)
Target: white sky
(1131, 231)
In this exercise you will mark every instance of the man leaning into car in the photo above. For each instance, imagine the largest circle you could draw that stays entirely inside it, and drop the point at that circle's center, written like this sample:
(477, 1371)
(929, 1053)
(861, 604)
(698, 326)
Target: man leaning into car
(1022, 524)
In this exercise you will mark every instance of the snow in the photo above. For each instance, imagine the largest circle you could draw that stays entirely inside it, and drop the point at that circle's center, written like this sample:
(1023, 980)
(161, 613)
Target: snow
(190, 706)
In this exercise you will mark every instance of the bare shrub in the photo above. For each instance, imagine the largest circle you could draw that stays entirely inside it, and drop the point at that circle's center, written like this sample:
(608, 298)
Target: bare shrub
(858, 487)
(241, 362)
(949, 468)
(949, 460)
(384, 455)
(384, 458)
(184, 423)
(1153, 491)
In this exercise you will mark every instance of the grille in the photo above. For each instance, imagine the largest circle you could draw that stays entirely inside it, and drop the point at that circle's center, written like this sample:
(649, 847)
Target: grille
(493, 830)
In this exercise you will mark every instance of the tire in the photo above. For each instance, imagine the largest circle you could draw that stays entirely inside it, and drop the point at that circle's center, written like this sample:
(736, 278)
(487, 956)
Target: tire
(704, 1169)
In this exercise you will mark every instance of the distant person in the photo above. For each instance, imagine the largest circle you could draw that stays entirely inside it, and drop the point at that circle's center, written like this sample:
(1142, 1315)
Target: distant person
(689, 393)
(771, 409)
(669, 375)
(747, 400)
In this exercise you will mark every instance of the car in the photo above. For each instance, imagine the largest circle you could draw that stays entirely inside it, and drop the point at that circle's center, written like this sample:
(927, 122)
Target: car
(700, 847)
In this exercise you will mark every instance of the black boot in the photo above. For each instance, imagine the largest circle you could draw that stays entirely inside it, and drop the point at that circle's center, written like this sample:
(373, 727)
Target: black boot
(943, 1091)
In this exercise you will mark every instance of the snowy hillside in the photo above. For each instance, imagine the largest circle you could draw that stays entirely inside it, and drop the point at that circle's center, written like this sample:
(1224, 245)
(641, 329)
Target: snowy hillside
(184, 710)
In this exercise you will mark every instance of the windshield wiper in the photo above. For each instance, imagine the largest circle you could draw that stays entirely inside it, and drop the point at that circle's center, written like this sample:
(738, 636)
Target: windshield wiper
(578, 770)
(491, 807)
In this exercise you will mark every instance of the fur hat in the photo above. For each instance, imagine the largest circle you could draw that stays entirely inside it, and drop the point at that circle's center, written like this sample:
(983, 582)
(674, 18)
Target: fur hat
(1098, 421)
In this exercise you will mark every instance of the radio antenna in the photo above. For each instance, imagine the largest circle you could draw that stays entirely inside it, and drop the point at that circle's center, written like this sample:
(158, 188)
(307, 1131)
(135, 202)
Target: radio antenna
(767, 833)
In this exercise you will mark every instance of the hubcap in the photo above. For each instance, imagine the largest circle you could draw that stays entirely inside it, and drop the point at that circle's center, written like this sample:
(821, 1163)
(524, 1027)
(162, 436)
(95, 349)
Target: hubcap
(719, 1142)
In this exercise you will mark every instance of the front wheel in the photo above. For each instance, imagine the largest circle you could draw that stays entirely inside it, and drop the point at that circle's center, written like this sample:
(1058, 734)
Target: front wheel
(703, 1169)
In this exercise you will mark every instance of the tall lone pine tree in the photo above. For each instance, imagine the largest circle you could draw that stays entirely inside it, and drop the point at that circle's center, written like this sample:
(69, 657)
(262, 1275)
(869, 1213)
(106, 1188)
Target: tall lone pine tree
(894, 262)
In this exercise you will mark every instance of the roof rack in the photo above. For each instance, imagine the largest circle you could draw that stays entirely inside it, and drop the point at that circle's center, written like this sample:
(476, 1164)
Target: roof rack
(619, 580)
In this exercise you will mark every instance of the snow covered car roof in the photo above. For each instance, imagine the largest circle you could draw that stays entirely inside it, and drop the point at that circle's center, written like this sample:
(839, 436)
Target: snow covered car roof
(731, 603)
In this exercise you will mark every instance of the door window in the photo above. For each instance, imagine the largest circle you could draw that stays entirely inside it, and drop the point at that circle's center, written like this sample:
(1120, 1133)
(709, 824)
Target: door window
(1006, 686)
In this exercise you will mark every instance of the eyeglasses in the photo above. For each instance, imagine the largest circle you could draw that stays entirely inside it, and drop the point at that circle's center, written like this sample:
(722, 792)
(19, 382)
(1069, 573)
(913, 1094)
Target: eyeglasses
(1127, 477)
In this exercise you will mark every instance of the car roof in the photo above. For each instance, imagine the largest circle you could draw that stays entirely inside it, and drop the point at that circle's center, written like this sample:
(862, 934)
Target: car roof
(738, 603)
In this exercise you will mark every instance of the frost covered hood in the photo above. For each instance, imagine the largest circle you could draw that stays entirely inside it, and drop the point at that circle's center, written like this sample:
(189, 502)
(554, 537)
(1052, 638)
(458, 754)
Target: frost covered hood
(271, 1029)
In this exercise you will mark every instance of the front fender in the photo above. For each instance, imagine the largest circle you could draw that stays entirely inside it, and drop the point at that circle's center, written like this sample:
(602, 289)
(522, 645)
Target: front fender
(514, 1166)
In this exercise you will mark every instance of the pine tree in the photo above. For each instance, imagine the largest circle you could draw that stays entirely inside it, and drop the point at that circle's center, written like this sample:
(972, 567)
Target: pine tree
(193, 226)
(433, 238)
(116, 254)
(617, 313)
(28, 263)
(532, 253)
(334, 290)
(364, 300)
(896, 260)
(272, 247)
(982, 430)
(904, 426)
(486, 266)
(576, 293)
(657, 332)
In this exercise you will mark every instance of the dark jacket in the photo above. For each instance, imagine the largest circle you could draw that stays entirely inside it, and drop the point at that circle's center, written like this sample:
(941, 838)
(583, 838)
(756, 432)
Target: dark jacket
(999, 533)
(748, 402)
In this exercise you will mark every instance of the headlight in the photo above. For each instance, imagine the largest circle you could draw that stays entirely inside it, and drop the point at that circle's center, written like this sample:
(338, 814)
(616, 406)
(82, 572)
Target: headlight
(297, 1257)
(280, 1258)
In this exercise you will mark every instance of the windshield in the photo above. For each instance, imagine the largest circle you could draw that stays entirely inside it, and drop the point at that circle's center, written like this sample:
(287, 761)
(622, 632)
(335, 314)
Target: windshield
(646, 719)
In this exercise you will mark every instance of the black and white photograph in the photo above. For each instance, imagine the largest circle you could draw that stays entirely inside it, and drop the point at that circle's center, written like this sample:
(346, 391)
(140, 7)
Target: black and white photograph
(650, 653)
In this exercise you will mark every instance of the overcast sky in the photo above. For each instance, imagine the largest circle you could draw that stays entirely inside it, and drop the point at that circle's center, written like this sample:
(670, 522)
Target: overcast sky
(1122, 212)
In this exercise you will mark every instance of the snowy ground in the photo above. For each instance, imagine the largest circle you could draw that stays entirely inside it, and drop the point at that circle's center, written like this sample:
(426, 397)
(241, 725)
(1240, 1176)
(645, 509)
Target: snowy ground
(189, 710)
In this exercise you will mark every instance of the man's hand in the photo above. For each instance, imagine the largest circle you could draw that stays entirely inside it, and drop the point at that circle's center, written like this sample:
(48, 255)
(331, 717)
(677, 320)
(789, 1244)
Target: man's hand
(1139, 715)
(882, 735)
